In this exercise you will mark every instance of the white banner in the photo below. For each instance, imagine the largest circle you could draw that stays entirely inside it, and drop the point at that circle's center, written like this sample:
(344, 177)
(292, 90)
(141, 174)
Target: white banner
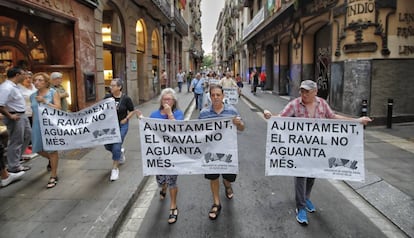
(92, 126)
(188, 147)
(231, 95)
(319, 148)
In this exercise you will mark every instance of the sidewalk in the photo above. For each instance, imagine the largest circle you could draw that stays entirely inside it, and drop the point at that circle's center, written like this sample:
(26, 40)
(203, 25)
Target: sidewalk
(389, 163)
(84, 203)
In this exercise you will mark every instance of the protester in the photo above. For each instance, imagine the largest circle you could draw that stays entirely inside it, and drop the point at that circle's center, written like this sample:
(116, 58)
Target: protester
(308, 105)
(56, 80)
(229, 82)
(125, 110)
(197, 86)
(46, 95)
(219, 109)
(168, 110)
(13, 106)
(180, 80)
(27, 88)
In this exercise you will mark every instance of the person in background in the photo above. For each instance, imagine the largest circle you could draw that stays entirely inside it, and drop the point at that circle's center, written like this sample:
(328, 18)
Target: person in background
(125, 110)
(56, 80)
(168, 110)
(13, 108)
(262, 80)
(46, 95)
(163, 79)
(219, 109)
(197, 86)
(189, 78)
(308, 105)
(27, 88)
(180, 80)
(255, 81)
(5, 176)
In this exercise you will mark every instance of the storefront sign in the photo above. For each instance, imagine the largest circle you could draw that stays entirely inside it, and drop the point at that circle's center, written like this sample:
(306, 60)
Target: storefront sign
(361, 10)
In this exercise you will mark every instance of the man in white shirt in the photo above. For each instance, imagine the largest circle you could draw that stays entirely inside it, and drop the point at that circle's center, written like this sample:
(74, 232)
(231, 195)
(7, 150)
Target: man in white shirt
(13, 106)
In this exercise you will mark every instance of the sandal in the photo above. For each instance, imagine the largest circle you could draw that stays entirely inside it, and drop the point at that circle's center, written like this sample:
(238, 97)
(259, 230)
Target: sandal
(163, 194)
(214, 212)
(52, 182)
(173, 216)
(229, 191)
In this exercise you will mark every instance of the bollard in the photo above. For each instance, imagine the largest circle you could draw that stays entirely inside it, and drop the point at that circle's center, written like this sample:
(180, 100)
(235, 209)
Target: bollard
(364, 108)
(389, 112)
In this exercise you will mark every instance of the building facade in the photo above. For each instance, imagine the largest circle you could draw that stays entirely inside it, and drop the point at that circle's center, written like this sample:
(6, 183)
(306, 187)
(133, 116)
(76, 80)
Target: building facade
(356, 50)
(93, 41)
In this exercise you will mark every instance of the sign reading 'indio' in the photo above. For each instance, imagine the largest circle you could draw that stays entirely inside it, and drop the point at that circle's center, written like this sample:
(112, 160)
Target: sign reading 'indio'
(357, 8)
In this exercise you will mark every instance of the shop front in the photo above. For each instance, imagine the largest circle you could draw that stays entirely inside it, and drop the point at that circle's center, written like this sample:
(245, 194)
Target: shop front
(48, 36)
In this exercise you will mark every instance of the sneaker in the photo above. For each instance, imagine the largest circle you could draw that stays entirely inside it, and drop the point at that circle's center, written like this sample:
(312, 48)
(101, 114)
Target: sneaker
(12, 177)
(309, 206)
(123, 158)
(19, 169)
(301, 216)
(114, 174)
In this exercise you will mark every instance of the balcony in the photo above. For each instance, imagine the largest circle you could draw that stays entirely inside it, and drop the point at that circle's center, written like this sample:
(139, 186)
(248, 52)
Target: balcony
(180, 23)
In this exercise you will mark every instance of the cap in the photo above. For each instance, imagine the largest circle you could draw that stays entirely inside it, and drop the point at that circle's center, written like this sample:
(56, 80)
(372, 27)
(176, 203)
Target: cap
(308, 85)
(55, 75)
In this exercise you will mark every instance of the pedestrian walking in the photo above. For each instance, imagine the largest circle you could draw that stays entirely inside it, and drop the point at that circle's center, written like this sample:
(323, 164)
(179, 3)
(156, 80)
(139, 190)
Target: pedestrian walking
(164, 79)
(125, 110)
(46, 95)
(168, 110)
(13, 107)
(308, 105)
(189, 79)
(219, 109)
(197, 86)
(255, 79)
(180, 80)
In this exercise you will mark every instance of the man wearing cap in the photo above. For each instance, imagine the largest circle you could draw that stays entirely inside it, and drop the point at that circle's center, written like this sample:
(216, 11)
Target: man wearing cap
(308, 105)
(13, 106)
(56, 80)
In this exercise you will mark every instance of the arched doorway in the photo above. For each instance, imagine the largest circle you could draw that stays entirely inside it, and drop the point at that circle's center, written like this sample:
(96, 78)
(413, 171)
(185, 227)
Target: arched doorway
(155, 43)
(141, 46)
(113, 47)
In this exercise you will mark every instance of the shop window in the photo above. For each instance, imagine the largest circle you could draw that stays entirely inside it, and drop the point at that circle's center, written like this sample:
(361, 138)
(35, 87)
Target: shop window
(140, 37)
(90, 88)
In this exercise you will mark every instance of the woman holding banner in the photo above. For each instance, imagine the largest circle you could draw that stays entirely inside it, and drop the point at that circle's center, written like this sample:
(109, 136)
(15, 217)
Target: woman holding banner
(168, 110)
(308, 105)
(125, 110)
(219, 109)
(48, 96)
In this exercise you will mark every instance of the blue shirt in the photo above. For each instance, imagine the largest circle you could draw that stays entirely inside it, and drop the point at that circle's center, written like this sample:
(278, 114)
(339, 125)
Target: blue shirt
(198, 85)
(178, 115)
(228, 111)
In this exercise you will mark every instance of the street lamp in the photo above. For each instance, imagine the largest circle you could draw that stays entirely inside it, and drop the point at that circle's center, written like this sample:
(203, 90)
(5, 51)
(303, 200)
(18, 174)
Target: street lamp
(172, 27)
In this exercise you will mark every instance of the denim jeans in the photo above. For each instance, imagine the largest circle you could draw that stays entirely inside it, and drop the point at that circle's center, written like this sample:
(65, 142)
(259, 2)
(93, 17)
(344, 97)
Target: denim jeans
(116, 148)
(199, 100)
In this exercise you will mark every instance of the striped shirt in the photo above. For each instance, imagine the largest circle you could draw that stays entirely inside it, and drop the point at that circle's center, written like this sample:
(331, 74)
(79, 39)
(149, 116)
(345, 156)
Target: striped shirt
(228, 111)
(296, 108)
